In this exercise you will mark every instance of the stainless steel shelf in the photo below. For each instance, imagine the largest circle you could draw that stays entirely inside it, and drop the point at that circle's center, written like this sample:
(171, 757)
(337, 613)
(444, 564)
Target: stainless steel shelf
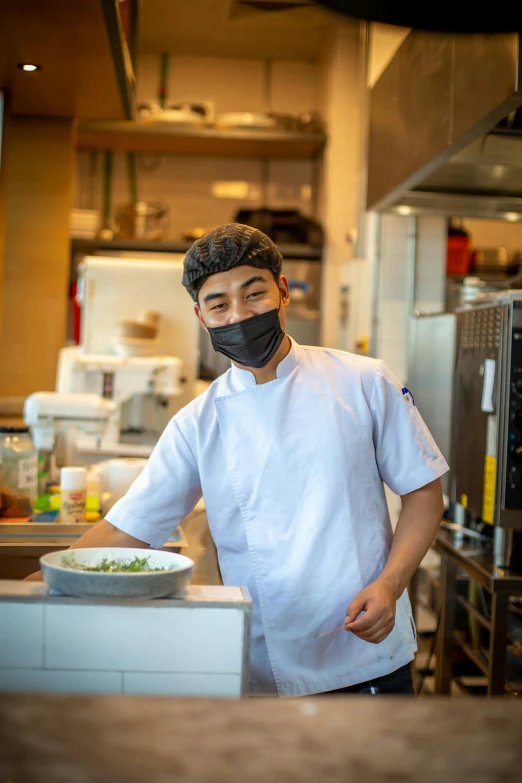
(37, 538)
(289, 251)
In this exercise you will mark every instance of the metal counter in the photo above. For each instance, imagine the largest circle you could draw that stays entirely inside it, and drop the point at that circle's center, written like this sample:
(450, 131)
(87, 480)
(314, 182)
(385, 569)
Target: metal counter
(21, 545)
(468, 551)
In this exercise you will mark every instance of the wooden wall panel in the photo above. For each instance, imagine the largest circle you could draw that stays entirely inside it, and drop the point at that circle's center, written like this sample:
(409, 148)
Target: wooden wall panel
(4, 123)
(39, 170)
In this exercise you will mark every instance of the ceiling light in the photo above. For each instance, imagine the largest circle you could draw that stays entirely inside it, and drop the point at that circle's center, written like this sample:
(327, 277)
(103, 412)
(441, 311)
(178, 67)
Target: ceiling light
(29, 67)
(403, 210)
(512, 217)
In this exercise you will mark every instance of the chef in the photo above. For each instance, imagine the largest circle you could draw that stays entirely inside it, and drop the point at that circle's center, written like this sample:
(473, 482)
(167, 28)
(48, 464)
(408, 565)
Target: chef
(291, 449)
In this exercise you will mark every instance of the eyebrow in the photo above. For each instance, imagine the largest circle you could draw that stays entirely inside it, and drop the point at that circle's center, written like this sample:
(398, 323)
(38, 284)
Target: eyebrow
(250, 281)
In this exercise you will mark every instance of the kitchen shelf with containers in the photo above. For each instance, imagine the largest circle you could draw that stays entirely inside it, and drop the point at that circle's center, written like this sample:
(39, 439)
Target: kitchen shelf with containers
(192, 129)
(86, 246)
(242, 140)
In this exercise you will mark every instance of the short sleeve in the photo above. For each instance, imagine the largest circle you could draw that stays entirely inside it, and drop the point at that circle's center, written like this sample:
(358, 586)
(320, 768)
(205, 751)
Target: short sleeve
(166, 491)
(407, 456)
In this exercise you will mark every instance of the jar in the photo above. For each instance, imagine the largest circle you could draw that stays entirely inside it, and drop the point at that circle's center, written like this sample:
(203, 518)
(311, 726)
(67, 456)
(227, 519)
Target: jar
(19, 463)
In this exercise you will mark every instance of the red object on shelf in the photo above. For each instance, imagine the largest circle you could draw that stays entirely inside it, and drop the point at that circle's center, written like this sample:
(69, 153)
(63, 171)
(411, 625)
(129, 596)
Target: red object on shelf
(75, 310)
(458, 256)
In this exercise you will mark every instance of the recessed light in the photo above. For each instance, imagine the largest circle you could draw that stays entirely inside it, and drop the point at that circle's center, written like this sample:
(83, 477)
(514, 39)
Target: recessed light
(512, 217)
(29, 67)
(403, 210)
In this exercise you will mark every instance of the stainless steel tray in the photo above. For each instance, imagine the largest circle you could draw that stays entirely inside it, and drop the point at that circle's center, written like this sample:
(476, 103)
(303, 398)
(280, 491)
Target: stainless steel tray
(41, 537)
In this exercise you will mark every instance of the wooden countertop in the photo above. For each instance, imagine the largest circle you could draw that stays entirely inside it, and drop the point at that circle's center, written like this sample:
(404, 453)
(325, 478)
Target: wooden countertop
(336, 739)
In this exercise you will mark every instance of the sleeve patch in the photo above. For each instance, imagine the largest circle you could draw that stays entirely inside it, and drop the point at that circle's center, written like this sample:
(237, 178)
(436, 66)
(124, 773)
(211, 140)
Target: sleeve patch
(408, 396)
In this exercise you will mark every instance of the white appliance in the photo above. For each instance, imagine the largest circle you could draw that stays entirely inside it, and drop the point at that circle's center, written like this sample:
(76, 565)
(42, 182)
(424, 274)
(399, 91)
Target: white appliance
(114, 289)
(143, 392)
(72, 426)
(80, 425)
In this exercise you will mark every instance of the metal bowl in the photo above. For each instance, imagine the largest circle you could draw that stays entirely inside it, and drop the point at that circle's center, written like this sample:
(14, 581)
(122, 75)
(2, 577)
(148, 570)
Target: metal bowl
(141, 584)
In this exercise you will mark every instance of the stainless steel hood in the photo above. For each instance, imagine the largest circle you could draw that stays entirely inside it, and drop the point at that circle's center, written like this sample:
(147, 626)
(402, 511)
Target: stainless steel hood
(445, 136)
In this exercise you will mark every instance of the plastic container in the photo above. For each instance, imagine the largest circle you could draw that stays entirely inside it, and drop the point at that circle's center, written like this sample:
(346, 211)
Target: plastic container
(458, 256)
(19, 472)
(73, 500)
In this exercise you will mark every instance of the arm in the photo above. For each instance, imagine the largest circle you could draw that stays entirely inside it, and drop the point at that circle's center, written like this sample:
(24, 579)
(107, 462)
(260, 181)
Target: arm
(418, 522)
(161, 497)
(100, 535)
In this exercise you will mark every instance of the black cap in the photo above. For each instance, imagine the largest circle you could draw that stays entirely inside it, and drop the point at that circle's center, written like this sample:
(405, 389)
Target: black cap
(226, 247)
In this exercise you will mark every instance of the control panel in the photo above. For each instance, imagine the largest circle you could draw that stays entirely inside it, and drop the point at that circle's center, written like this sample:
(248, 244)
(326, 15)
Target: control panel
(513, 493)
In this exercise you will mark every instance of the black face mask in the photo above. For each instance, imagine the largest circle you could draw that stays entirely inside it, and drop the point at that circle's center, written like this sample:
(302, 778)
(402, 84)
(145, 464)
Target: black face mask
(252, 342)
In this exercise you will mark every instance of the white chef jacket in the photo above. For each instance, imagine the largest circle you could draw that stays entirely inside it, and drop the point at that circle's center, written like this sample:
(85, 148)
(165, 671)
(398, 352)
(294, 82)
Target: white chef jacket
(292, 475)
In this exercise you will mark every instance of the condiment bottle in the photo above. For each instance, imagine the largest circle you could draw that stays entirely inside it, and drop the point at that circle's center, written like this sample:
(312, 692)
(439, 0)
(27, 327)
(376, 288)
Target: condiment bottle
(73, 482)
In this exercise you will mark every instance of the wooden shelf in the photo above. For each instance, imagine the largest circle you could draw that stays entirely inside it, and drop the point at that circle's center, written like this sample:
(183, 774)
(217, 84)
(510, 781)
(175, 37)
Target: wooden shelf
(169, 140)
(87, 246)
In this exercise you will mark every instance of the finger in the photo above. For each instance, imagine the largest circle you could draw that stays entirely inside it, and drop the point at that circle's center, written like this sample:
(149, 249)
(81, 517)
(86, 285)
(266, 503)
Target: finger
(378, 627)
(376, 636)
(357, 606)
(370, 619)
(373, 639)
(376, 639)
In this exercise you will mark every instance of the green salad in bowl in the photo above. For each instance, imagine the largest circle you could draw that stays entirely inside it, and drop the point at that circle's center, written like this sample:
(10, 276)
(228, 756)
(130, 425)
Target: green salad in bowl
(116, 572)
(136, 565)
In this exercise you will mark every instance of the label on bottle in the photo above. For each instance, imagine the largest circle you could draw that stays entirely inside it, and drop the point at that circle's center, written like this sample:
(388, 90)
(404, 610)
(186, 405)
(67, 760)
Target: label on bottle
(72, 507)
(28, 473)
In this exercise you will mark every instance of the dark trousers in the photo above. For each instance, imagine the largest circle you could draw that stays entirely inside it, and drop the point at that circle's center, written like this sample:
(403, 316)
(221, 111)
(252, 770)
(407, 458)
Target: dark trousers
(399, 681)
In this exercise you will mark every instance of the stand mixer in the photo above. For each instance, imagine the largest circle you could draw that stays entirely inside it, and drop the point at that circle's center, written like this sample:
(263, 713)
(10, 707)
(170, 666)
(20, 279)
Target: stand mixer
(106, 405)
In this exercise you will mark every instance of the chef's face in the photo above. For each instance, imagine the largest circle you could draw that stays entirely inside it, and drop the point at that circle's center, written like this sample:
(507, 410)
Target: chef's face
(240, 293)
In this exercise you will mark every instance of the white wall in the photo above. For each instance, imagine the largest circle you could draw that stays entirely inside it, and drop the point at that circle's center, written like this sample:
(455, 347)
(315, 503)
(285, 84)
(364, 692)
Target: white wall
(185, 183)
(232, 84)
(343, 92)
(430, 270)
(350, 326)
(409, 257)
(412, 276)
(392, 303)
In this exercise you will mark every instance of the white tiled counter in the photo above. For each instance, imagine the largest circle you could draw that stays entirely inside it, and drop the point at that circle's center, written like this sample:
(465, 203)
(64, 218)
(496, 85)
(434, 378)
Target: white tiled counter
(192, 646)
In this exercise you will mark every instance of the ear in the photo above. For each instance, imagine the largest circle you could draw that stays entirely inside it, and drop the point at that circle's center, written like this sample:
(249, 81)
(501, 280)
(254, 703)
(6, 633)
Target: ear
(284, 290)
(200, 317)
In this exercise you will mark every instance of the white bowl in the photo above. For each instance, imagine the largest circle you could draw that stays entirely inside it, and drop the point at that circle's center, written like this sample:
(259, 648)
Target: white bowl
(246, 120)
(179, 117)
(134, 346)
(138, 329)
(142, 584)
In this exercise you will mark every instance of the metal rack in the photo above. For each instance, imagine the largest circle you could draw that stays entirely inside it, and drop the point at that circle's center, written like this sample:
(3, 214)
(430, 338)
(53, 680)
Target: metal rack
(463, 552)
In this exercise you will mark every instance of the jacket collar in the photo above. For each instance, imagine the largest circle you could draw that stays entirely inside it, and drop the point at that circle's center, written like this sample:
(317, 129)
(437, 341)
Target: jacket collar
(244, 378)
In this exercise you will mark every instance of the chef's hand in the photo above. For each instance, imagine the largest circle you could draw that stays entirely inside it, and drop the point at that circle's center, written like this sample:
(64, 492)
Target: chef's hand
(377, 601)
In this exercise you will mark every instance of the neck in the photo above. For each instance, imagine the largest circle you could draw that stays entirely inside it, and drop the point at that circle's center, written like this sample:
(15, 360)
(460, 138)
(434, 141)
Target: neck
(269, 371)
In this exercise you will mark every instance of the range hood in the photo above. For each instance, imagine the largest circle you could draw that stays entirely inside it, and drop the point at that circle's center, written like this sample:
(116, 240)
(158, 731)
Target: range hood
(445, 132)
